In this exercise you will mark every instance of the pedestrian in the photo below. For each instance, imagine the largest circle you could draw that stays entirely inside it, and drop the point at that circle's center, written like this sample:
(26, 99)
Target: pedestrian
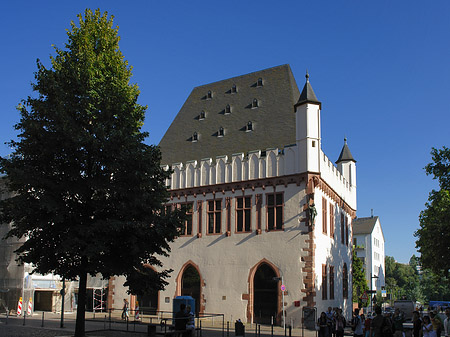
(367, 323)
(340, 323)
(181, 319)
(377, 323)
(447, 323)
(323, 325)
(427, 328)
(398, 320)
(437, 322)
(330, 320)
(417, 324)
(125, 309)
(357, 324)
(190, 326)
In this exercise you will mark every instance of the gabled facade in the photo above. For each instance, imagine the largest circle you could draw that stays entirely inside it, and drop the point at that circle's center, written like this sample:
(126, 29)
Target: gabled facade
(368, 240)
(265, 205)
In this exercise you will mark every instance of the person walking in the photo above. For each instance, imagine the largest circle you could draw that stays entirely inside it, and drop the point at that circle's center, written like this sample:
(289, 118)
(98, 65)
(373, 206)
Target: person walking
(417, 324)
(427, 328)
(357, 324)
(190, 326)
(398, 320)
(377, 323)
(125, 309)
(323, 325)
(340, 323)
(447, 323)
(181, 320)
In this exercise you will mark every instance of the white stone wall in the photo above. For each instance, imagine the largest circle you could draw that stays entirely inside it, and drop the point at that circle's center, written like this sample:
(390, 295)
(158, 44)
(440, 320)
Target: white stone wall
(225, 261)
(332, 252)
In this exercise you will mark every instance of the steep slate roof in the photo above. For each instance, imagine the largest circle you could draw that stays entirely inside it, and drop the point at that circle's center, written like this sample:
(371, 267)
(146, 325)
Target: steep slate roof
(273, 120)
(364, 225)
(345, 155)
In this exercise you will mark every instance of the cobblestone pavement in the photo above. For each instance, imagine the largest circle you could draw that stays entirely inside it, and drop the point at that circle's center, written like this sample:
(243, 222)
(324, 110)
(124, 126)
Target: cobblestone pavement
(32, 326)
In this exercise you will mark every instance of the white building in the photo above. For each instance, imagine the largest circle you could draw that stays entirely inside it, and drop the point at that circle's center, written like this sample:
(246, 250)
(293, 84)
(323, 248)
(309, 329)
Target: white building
(368, 240)
(263, 202)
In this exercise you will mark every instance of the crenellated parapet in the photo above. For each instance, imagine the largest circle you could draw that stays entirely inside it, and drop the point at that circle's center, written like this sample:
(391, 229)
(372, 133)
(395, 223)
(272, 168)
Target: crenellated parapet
(258, 164)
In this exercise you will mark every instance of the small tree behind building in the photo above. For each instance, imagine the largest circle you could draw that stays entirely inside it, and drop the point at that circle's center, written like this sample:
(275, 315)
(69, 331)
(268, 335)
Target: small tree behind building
(89, 193)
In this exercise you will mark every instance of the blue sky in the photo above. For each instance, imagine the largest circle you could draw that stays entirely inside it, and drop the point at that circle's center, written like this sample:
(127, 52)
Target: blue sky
(380, 69)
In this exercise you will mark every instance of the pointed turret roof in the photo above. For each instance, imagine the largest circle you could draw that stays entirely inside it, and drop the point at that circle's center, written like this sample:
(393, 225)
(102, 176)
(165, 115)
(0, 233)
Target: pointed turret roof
(345, 155)
(307, 95)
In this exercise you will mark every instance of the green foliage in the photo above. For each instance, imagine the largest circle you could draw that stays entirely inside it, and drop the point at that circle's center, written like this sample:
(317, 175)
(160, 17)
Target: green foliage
(358, 278)
(402, 280)
(434, 232)
(89, 193)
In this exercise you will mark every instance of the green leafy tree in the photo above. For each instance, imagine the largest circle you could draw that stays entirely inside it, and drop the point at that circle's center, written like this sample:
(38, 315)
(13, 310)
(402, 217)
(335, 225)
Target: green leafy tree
(89, 193)
(358, 278)
(433, 236)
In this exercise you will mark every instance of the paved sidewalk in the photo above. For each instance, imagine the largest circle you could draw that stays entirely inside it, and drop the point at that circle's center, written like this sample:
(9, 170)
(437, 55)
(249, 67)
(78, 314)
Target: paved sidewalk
(32, 326)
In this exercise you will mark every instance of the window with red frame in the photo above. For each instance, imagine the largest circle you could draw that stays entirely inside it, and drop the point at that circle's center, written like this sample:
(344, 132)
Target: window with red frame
(275, 211)
(214, 216)
(331, 282)
(324, 282)
(331, 220)
(187, 227)
(243, 214)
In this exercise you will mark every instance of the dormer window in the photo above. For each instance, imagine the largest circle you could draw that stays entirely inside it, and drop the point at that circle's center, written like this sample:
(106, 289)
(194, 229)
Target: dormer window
(195, 137)
(209, 94)
(202, 115)
(259, 83)
(255, 103)
(234, 89)
(228, 109)
(249, 126)
(221, 132)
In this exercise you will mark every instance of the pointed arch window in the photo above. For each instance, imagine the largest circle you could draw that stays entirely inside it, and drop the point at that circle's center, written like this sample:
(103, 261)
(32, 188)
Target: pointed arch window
(228, 109)
(255, 103)
(249, 126)
(259, 83)
(202, 115)
(221, 132)
(209, 94)
(195, 137)
(234, 89)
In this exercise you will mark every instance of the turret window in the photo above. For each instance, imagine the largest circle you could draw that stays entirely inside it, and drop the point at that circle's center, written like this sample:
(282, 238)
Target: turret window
(259, 83)
(228, 109)
(255, 103)
(209, 94)
(202, 115)
(249, 126)
(234, 89)
(221, 132)
(195, 137)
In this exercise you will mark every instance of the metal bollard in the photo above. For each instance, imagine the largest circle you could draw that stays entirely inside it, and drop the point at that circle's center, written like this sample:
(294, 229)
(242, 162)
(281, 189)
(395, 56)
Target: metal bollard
(256, 330)
(290, 331)
(272, 327)
(104, 323)
(42, 325)
(259, 330)
(228, 328)
(24, 315)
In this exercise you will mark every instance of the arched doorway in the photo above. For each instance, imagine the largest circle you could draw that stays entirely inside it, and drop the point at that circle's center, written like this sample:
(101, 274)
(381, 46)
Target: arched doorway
(265, 295)
(148, 303)
(190, 285)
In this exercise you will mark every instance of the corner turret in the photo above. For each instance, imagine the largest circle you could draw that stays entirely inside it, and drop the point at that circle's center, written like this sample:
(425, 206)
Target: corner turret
(346, 164)
(307, 117)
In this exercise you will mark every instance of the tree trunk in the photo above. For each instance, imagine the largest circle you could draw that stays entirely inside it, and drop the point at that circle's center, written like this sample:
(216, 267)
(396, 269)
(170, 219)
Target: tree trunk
(81, 309)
